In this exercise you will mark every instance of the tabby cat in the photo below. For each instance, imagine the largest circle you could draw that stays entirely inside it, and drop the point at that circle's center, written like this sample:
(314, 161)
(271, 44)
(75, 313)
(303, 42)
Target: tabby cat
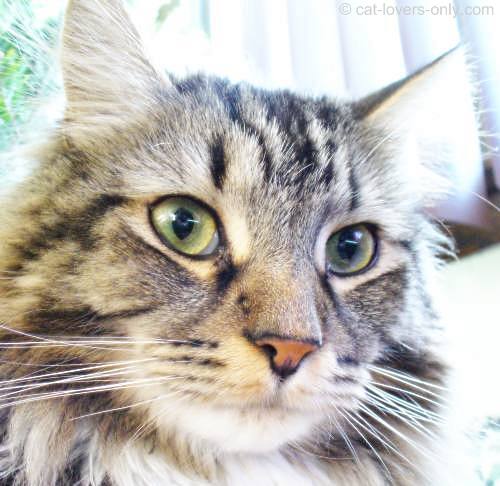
(209, 283)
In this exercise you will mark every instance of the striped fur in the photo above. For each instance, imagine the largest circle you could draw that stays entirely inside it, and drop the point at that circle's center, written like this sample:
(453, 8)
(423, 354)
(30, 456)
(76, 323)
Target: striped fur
(124, 363)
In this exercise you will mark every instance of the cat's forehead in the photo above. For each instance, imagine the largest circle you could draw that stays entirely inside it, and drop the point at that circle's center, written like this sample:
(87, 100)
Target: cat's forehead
(275, 161)
(220, 141)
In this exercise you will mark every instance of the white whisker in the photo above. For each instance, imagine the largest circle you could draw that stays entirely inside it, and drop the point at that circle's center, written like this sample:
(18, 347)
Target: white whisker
(400, 434)
(346, 439)
(377, 455)
(410, 407)
(406, 418)
(487, 201)
(77, 370)
(86, 391)
(411, 393)
(73, 379)
(404, 377)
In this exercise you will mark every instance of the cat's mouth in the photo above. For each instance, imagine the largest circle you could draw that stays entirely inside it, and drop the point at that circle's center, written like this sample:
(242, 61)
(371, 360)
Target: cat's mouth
(239, 403)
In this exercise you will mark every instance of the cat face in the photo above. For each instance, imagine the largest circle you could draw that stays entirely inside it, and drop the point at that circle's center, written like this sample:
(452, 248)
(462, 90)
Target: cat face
(278, 176)
(313, 269)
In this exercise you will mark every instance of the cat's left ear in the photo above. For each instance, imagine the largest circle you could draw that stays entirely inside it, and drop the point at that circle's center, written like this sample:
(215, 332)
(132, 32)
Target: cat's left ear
(430, 117)
(108, 79)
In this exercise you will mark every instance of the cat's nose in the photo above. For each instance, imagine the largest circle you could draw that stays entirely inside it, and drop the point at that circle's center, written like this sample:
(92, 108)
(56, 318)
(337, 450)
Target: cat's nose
(285, 354)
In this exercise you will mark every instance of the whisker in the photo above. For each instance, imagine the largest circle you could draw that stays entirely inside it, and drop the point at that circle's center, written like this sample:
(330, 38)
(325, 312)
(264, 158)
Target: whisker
(404, 377)
(487, 201)
(75, 379)
(85, 341)
(149, 424)
(100, 340)
(377, 455)
(40, 339)
(383, 422)
(416, 410)
(411, 393)
(71, 379)
(377, 434)
(409, 420)
(85, 391)
(85, 368)
(346, 439)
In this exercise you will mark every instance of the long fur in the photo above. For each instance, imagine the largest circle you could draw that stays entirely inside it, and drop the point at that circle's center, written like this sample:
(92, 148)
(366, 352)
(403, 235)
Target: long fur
(124, 363)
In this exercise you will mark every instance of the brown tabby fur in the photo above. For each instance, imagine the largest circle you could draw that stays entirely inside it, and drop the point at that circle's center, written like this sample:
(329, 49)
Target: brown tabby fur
(133, 362)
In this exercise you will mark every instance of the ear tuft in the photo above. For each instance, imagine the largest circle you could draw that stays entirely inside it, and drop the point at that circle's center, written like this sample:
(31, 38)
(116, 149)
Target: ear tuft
(107, 76)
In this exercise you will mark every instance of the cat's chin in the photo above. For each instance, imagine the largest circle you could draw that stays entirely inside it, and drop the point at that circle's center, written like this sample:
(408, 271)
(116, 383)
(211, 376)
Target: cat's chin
(233, 430)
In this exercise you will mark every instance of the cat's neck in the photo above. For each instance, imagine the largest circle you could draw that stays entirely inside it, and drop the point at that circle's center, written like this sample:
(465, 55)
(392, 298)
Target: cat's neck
(94, 451)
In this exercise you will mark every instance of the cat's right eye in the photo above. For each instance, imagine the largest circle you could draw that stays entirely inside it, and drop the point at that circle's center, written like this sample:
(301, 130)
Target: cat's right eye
(185, 226)
(351, 250)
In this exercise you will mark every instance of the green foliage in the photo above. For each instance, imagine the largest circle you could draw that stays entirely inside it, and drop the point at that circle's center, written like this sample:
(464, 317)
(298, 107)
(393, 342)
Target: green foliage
(487, 451)
(24, 64)
(165, 10)
(29, 71)
(28, 33)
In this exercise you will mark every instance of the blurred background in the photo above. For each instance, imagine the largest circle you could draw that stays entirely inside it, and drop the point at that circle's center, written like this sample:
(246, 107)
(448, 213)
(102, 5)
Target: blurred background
(340, 48)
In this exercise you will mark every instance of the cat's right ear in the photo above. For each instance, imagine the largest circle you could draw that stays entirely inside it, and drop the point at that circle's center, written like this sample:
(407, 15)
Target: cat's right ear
(108, 80)
(428, 124)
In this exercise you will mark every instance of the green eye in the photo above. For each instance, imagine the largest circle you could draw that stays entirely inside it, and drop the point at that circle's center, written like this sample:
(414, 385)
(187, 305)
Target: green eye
(186, 226)
(350, 250)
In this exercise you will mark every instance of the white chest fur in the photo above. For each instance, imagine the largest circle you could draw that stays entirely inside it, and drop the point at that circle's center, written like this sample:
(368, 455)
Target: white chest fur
(248, 470)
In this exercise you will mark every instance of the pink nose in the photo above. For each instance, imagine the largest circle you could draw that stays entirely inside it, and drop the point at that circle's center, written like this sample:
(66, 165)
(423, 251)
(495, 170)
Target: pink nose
(285, 354)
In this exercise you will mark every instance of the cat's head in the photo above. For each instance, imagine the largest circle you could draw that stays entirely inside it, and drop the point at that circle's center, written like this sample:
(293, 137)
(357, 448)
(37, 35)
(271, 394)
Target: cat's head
(233, 264)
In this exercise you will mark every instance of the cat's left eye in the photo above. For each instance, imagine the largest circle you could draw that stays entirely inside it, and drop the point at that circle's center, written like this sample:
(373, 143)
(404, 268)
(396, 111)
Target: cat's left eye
(185, 226)
(351, 250)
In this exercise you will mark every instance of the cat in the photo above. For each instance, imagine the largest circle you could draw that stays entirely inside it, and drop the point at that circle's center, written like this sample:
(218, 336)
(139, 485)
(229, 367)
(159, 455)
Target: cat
(210, 283)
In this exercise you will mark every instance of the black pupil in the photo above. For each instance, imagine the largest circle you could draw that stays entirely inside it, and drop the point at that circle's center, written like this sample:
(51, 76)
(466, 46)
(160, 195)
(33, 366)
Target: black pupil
(183, 223)
(349, 243)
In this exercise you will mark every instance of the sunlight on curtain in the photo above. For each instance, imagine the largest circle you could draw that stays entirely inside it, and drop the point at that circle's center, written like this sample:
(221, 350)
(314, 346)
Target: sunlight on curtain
(423, 39)
(372, 51)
